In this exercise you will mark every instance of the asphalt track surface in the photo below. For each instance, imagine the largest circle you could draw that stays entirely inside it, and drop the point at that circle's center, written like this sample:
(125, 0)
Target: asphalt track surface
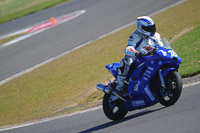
(183, 117)
(101, 17)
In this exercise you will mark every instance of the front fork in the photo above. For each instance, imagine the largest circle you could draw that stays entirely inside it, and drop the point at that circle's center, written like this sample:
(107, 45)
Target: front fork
(161, 79)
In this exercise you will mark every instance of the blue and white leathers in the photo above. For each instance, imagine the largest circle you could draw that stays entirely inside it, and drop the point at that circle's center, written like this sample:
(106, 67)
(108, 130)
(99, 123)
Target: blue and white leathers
(136, 43)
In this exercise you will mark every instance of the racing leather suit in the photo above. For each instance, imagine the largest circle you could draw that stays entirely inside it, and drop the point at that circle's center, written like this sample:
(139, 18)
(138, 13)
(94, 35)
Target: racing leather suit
(136, 43)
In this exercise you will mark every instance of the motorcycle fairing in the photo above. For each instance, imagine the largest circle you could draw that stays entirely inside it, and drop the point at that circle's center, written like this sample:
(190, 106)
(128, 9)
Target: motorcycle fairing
(147, 66)
(143, 96)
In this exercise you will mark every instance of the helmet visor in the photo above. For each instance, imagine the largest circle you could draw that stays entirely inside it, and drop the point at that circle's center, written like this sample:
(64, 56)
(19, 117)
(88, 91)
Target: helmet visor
(151, 29)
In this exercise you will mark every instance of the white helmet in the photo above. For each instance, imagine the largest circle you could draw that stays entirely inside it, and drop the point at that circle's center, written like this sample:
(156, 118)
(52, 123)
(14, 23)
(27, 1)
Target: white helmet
(146, 25)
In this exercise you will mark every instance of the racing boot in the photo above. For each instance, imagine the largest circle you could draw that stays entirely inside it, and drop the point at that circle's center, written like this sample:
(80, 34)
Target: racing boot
(121, 81)
(123, 71)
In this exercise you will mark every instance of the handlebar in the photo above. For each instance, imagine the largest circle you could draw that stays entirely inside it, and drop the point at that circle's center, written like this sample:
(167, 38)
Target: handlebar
(152, 51)
(149, 51)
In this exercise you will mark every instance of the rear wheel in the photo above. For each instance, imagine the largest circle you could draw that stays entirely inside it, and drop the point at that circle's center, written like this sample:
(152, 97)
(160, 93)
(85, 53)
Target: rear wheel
(172, 91)
(114, 110)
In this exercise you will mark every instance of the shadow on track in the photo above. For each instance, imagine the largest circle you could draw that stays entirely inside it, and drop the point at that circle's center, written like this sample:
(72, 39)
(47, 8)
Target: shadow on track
(112, 123)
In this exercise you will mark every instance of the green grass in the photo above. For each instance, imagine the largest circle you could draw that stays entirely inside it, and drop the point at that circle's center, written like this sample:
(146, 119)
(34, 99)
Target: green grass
(11, 9)
(188, 48)
(60, 85)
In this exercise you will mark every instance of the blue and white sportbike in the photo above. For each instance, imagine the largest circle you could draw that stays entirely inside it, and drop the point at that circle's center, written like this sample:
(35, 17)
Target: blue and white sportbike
(154, 79)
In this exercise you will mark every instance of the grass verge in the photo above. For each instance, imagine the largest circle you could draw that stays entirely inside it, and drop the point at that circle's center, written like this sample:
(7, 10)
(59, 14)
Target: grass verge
(12, 9)
(7, 39)
(68, 84)
(188, 48)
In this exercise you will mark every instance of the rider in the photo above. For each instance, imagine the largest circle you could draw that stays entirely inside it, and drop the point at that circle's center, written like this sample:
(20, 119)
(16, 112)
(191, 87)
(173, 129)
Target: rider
(145, 35)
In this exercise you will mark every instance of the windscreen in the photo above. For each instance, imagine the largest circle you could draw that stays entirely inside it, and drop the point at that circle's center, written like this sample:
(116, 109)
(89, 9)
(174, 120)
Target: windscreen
(166, 43)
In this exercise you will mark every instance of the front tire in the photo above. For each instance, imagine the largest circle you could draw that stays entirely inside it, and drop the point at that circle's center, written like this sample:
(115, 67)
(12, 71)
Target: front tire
(172, 92)
(114, 110)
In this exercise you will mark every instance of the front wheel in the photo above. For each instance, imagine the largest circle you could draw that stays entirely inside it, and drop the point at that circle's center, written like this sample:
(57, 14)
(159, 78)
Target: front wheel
(172, 91)
(114, 110)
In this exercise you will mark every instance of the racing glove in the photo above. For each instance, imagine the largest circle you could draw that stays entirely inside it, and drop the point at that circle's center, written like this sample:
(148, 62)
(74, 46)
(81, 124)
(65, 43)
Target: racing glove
(141, 53)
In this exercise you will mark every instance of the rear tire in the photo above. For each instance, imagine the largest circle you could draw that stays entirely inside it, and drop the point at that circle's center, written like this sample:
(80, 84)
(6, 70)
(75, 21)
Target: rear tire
(114, 110)
(172, 92)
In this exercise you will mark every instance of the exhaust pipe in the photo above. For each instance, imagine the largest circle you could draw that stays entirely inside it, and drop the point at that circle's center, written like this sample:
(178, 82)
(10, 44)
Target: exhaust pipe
(104, 88)
(108, 90)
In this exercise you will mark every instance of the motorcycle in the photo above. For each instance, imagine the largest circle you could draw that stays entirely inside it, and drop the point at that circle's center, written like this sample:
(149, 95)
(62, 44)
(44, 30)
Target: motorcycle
(154, 79)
